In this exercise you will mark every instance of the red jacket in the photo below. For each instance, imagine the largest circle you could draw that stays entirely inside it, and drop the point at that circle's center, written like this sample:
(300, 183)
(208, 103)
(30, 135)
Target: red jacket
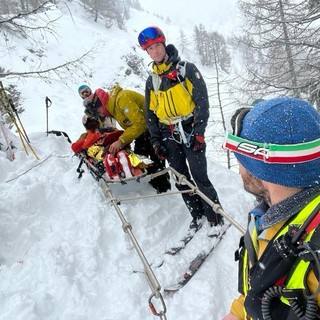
(92, 137)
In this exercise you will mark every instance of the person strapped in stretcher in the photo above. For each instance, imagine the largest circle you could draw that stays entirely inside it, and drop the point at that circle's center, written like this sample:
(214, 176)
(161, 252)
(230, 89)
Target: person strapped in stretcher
(96, 142)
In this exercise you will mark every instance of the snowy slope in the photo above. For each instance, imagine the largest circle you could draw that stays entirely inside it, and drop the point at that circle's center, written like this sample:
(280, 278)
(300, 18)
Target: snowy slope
(63, 253)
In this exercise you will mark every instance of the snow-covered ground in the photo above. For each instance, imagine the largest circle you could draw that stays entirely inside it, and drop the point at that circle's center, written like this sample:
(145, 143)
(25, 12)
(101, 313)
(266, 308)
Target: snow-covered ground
(63, 252)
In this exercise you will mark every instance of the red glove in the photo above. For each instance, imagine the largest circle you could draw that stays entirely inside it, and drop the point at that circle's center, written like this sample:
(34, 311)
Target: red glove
(198, 142)
(160, 151)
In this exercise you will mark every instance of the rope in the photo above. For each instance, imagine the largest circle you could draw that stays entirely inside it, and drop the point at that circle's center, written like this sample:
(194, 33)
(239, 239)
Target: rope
(181, 179)
(38, 164)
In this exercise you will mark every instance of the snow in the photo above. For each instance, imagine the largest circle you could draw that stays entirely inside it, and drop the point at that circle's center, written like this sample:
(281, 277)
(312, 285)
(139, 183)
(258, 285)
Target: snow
(63, 252)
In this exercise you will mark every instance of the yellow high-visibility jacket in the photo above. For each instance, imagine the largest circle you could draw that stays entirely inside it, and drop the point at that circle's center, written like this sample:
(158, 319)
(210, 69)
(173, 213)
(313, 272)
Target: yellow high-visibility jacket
(127, 108)
(300, 276)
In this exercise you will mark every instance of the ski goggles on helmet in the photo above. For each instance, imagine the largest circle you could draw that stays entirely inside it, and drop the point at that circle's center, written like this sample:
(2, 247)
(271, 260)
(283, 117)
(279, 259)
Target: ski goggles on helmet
(268, 152)
(149, 36)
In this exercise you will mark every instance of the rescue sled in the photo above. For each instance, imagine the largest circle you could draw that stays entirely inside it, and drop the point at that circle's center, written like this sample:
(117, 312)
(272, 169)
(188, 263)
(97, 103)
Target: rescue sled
(123, 167)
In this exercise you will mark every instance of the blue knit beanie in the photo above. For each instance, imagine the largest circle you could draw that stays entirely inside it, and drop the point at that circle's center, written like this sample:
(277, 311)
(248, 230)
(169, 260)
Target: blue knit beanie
(282, 121)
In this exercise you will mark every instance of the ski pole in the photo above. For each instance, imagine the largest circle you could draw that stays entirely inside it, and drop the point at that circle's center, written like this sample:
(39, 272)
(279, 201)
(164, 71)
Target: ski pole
(11, 110)
(17, 115)
(9, 103)
(48, 104)
(24, 140)
(22, 133)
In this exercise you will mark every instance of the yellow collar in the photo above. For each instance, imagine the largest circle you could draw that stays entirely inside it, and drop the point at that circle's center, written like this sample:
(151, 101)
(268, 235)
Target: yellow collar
(161, 68)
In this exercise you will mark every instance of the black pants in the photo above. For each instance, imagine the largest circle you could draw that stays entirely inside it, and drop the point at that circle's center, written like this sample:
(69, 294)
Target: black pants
(144, 147)
(178, 155)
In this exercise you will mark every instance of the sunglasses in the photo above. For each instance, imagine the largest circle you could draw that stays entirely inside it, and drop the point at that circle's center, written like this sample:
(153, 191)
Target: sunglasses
(268, 152)
(85, 93)
(151, 33)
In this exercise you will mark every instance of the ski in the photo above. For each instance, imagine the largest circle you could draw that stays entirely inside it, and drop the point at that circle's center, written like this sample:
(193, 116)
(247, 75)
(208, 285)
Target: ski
(181, 244)
(195, 264)
(184, 240)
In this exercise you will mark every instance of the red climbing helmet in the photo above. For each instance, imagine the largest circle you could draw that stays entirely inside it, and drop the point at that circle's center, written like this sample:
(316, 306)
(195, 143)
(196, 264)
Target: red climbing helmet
(151, 35)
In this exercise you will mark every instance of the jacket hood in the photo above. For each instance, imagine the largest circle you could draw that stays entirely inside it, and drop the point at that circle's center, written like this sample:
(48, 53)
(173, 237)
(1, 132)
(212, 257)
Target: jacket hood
(113, 97)
(173, 53)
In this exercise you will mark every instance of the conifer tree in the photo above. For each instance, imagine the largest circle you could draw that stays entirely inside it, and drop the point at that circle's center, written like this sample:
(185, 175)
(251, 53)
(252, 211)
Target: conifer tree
(283, 37)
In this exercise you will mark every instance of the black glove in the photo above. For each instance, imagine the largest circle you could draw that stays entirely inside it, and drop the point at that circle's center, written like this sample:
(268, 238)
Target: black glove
(160, 151)
(197, 142)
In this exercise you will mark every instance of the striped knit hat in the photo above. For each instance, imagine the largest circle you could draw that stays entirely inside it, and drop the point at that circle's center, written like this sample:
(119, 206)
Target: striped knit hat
(289, 123)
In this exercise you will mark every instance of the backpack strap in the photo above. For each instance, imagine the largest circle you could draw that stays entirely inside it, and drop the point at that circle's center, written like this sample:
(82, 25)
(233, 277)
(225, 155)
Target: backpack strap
(312, 254)
(156, 82)
(181, 76)
(181, 70)
(310, 223)
(315, 245)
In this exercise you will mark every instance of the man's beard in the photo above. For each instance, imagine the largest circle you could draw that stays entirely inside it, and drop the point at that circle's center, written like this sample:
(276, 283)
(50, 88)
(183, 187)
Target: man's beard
(255, 186)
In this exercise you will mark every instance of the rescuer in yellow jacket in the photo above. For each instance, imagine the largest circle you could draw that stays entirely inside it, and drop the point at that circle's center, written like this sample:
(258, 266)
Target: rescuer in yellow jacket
(177, 106)
(127, 108)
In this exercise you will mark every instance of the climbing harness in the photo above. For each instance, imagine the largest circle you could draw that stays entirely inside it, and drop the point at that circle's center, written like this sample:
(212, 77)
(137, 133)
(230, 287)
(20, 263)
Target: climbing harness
(175, 122)
(177, 132)
(175, 104)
